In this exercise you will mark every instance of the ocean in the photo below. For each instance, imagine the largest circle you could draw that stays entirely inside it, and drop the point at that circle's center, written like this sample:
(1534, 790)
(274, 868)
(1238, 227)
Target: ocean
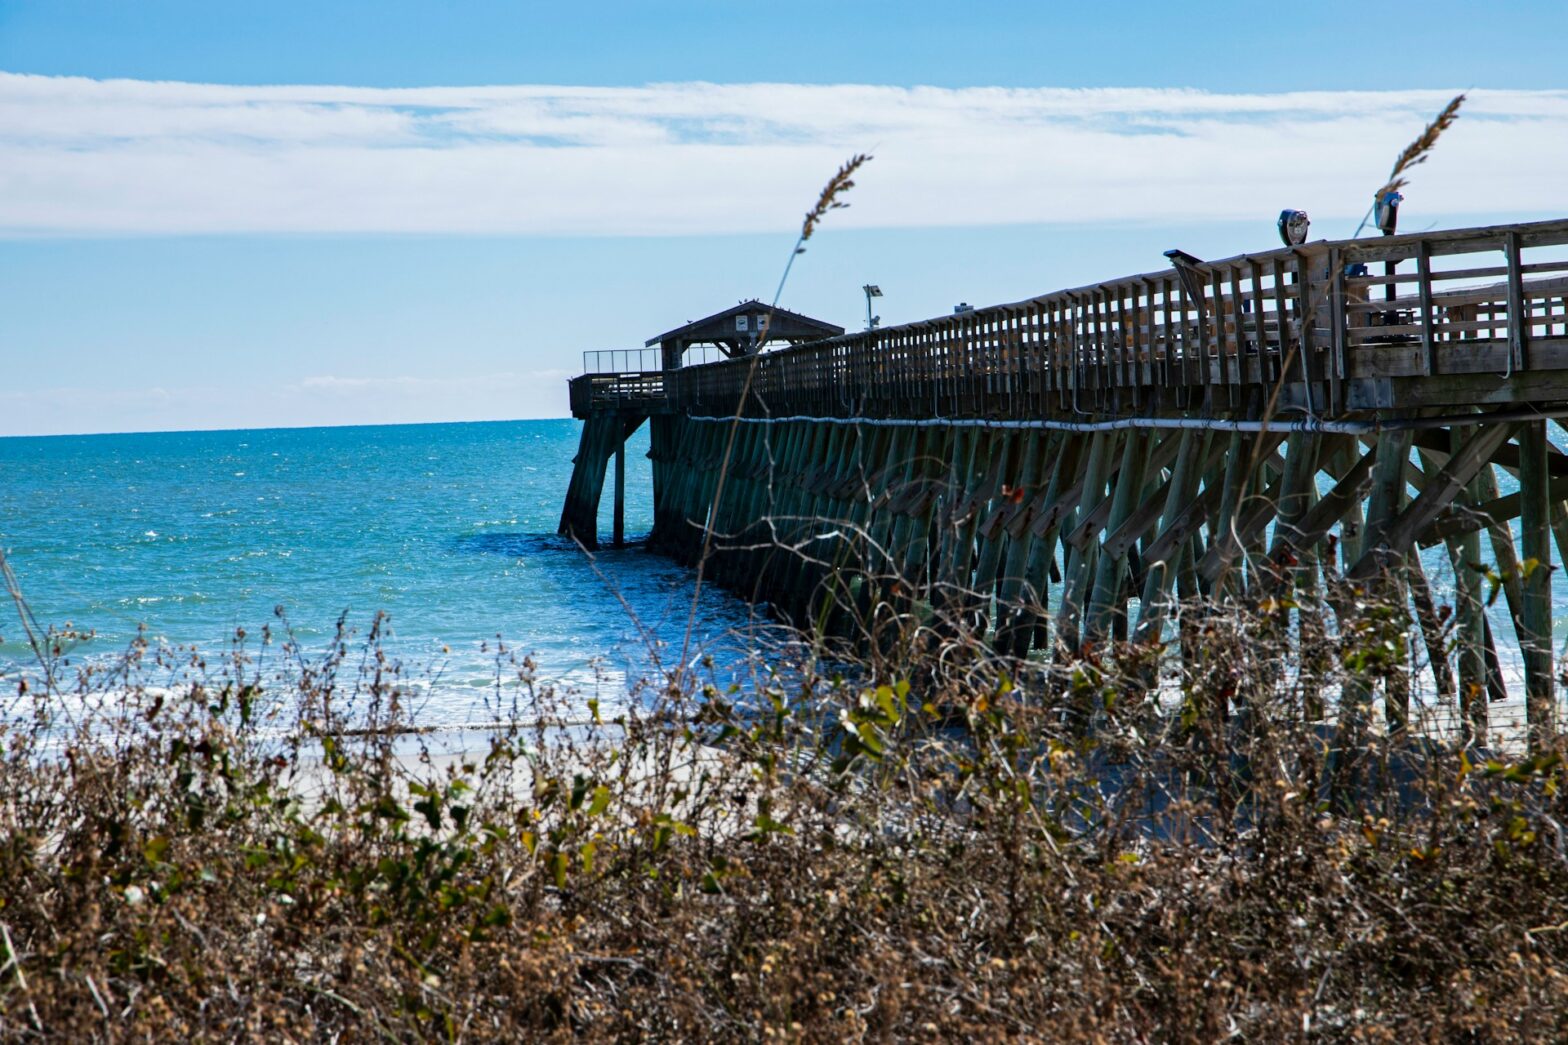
(449, 529)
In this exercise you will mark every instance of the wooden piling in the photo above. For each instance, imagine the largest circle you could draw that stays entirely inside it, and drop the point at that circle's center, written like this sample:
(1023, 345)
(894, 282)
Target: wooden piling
(619, 524)
(1535, 623)
(921, 476)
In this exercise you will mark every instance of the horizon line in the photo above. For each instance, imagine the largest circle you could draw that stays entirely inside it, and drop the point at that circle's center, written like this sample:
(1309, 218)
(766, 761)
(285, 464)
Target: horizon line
(274, 428)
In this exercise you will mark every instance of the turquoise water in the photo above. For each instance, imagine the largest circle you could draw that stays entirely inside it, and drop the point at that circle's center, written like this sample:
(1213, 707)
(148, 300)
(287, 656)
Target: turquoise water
(449, 529)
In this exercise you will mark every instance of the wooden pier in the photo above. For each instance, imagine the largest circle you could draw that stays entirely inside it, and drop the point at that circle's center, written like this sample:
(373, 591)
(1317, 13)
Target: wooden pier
(1056, 472)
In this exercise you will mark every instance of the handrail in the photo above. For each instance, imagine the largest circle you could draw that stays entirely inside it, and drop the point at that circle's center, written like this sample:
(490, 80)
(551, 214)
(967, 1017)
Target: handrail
(620, 360)
(1329, 312)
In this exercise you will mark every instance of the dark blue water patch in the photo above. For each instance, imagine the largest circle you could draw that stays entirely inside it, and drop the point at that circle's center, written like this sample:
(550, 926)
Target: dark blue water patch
(512, 545)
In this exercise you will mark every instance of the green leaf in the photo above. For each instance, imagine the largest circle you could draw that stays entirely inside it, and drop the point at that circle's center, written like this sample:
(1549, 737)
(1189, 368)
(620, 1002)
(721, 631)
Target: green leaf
(155, 849)
(432, 810)
(385, 807)
(766, 825)
(601, 800)
(886, 702)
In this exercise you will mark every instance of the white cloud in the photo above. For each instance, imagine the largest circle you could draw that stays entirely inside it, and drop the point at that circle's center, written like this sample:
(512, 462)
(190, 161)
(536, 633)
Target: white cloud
(315, 400)
(81, 156)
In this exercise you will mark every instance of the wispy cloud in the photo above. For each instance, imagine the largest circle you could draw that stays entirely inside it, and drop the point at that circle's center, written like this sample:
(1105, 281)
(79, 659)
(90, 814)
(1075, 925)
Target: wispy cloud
(509, 382)
(80, 156)
(313, 400)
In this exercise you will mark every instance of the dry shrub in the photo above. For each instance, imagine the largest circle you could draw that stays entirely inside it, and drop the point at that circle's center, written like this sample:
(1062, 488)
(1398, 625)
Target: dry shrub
(258, 848)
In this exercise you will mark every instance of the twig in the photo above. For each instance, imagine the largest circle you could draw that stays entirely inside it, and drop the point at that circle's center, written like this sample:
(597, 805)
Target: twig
(29, 622)
(12, 959)
(355, 1009)
(97, 997)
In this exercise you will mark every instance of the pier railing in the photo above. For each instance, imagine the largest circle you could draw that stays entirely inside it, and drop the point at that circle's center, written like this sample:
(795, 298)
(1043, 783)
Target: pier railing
(1341, 321)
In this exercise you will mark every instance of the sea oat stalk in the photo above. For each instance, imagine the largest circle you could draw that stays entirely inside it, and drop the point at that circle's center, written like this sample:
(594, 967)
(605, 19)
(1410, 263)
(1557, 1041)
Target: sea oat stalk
(1417, 151)
(831, 198)
(1414, 154)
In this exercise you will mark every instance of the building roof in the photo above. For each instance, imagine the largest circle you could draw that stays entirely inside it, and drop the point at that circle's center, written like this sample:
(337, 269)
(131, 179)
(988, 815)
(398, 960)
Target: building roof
(719, 328)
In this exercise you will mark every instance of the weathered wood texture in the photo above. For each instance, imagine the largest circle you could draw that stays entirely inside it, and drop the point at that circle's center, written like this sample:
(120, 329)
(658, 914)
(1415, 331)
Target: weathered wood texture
(1474, 309)
(1005, 473)
(604, 436)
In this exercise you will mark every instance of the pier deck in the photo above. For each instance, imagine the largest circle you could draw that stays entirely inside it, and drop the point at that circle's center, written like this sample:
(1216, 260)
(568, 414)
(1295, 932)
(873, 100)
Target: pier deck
(1295, 420)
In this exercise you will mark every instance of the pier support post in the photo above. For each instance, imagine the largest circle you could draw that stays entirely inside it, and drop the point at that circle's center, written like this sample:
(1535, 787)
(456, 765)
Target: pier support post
(619, 537)
(1105, 599)
(1077, 559)
(604, 435)
(1464, 552)
(1160, 574)
(1535, 623)
(1506, 558)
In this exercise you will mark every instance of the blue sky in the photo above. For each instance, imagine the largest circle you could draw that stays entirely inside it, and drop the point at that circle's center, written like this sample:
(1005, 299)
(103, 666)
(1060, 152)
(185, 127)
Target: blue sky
(1223, 46)
(222, 215)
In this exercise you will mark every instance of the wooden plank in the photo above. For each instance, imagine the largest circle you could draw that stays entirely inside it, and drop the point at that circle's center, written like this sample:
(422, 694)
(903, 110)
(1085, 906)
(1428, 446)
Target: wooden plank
(1428, 336)
(1012, 591)
(1320, 518)
(1095, 520)
(1223, 552)
(1431, 628)
(1028, 627)
(1225, 542)
(1535, 624)
(1118, 541)
(1470, 633)
(1128, 485)
(1216, 288)
(1188, 521)
(1489, 386)
(1387, 590)
(1239, 320)
(1303, 323)
(1505, 555)
(1391, 547)
(1471, 518)
(618, 538)
(1057, 507)
(1518, 317)
(1076, 574)
(989, 547)
(1506, 457)
(1336, 306)
(1469, 356)
(1205, 362)
(1160, 571)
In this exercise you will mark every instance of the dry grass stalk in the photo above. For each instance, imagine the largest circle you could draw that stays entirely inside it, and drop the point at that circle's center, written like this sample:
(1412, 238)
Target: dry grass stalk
(1416, 152)
(836, 187)
(831, 198)
(238, 854)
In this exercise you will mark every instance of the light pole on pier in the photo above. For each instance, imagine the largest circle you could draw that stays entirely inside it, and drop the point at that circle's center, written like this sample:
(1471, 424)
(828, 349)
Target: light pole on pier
(872, 291)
